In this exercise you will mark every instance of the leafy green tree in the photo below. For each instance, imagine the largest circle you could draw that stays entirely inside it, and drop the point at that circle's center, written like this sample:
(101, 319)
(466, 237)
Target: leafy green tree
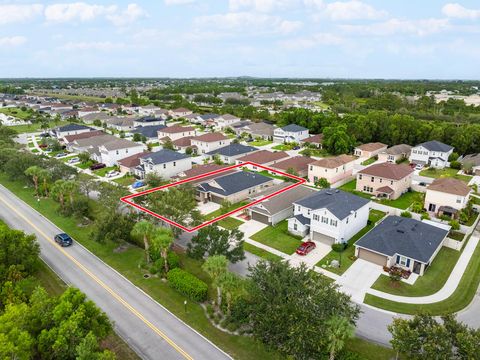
(212, 240)
(168, 144)
(154, 180)
(144, 229)
(137, 137)
(339, 330)
(88, 349)
(322, 183)
(37, 175)
(84, 157)
(162, 240)
(216, 266)
(113, 226)
(337, 140)
(233, 287)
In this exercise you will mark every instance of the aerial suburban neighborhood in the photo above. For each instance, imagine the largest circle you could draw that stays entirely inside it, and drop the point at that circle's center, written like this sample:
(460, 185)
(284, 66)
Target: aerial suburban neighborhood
(239, 180)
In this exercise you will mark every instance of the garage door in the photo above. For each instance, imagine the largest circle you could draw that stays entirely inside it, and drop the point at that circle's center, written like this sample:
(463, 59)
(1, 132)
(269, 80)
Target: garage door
(322, 238)
(216, 199)
(260, 217)
(372, 257)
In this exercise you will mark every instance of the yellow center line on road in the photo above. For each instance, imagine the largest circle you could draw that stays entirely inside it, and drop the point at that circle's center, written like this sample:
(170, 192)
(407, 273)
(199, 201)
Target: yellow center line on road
(103, 285)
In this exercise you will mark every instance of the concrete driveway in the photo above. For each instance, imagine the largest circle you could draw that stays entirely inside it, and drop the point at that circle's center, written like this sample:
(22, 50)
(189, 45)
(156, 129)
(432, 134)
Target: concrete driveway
(313, 257)
(359, 278)
(251, 227)
(208, 207)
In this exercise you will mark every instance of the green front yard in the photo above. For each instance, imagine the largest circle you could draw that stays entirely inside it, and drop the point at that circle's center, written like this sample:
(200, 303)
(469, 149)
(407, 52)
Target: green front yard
(460, 299)
(447, 172)
(370, 161)
(126, 180)
(316, 152)
(428, 284)
(278, 238)
(104, 171)
(348, 255)
(260, 143)
(86, 165)
(284, 147)
(264, 254)
(230, 223)
(219, 212)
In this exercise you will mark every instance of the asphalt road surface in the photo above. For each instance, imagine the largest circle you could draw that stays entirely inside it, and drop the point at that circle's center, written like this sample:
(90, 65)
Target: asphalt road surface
(150, 329)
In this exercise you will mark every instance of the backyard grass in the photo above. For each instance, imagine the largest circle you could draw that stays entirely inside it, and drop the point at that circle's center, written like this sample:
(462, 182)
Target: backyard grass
(446, 172)
(460, 299)
(219, 212)
(316, 152)
(370, 161)
(230, 223)
(16, 112)
(369, 350)
(125, 180)
(260, 142)
(283, 147)
(428, 284)
(349, 253)
(278, 238)
(264, 254)
(27, 128)
(104, 171)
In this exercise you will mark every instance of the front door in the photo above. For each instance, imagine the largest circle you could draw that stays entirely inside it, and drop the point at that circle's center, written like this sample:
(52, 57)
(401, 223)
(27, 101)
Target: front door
(432, 207)
(417, 267)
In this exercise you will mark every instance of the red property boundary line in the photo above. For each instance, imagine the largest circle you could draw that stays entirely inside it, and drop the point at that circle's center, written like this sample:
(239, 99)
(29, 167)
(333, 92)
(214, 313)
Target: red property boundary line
(126, 199)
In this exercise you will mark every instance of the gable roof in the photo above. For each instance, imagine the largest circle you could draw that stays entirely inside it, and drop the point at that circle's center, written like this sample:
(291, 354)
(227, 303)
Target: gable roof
(449, 186)
(371, 146)
(229, 117)
(183, 142)
(208, 116)
(264, 156)
(314, 139)
(473, 159)
(148, 119)
(435, 145)
(293, 128)
(233, 150)
(204, 169)
(164, 156)
(117, 143)
(150, 131)
(407, 237)
(298, 163)
(388, 170)
(176, 129)
(338, 202)
(84, 135)
(398, 149)
(73, 127)
(210, 137)
(234, 183)
(334, 162)
(283, 200)
(133, 160)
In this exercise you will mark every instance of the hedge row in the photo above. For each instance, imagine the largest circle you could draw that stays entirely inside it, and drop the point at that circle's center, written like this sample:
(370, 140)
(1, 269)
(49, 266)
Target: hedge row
(187, 284)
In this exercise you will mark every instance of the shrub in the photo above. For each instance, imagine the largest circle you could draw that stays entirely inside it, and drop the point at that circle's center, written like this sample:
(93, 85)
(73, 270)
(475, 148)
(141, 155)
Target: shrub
(454, 224)
(187, 284)
(453, 156)
(406, 214)
(158, 266)
(455, 165)
(425, 216)
(338, 247)
(173, 260)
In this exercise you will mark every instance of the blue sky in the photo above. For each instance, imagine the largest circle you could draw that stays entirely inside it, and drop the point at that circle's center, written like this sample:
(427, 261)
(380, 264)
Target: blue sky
(267, 38)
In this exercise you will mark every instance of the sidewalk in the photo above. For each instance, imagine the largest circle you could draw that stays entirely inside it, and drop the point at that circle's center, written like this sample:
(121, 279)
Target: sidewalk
(450, 286)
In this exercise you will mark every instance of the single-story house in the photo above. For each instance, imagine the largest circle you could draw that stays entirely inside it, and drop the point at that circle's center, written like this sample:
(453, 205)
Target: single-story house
(402, 242)
(472, 160)
(385, 180)
(261, 130)
(395, 153)
(165, 163)
(279, 207)
(369, 150)
(314, 140)
(446, 196)
(150, 132)
(297, 164)
(70, 129)
(228, 154)
(120, 123)
(262, 157)
(234, 187)
(180, 112)
(148, 121)
(329, 216)
(333, 169)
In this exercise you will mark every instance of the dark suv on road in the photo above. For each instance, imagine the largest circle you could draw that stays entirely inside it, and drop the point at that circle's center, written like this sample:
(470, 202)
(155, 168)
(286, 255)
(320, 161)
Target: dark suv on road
(63, 239)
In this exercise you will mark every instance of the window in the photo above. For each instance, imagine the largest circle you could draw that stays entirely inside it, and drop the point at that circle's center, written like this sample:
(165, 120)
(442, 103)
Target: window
(347, 220)
(459, 200)
(402, 260)
(372, 179)
(360, 177)
(295, 226)
(117, 152)
(324, 220)
(391, 182)
(315, 217)
(164, 166)
(333, 222)
(381, 180)
(355, 214)
(174, 163)
(308, 212)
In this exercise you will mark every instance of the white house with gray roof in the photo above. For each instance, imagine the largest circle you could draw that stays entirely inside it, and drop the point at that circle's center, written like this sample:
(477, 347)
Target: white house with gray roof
(329, 216)
(402, 242)
(290, 133)
(228, 154)
(110, 152)
(165, 163)
(431, 153)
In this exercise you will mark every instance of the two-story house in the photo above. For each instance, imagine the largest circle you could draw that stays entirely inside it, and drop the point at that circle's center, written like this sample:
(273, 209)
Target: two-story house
(225, 121)
(180, 112)
(333, 169)
(175, 132)
(395, 153)
(209, 142)
(329, 216)
(290, 133)
(112, 151)
(165, 163)
(446, 196)
(431, 153)
(385, 180)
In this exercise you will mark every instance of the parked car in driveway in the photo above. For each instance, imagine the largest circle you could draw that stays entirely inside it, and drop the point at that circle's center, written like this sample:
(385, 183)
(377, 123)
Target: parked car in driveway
(138, 184)
(305, 248)
(97, 166)
(63, 239)
(73, 160)
(112, 173)
(418, 167)
(60, 155)
(296, 148)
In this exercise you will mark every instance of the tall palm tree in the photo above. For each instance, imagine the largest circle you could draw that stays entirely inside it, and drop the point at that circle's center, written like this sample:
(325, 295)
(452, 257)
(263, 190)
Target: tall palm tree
(144, 229)
(162, 239)
(37, 174)
(339, 329)
(58, 191)
(216, 266)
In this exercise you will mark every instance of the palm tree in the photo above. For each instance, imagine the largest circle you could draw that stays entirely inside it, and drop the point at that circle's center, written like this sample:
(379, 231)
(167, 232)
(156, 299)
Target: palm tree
(144, 229)
(37, 174)
(339, 329)
(162, 240)
(71, 187)
(216, 266)
(58, 191)
(232, 286)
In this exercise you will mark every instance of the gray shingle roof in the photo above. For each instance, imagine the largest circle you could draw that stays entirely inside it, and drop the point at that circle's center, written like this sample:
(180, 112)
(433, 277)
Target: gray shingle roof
(233, 150)
(233, 183)
(407, 237)
(302, 219)
(338, 202)
(283, 200)
(73, 127)
(294, 128)
(148, 131)
(164, 156)
(435, 145)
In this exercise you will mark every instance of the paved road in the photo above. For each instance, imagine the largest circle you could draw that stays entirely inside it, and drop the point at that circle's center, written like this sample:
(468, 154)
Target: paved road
(152, 331)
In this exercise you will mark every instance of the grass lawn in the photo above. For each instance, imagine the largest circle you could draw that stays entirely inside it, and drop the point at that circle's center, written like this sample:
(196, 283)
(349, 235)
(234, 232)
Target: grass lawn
(35, 151)
(16, 112)
(126, 180)
(369, 350)
(460, 299)
(35, 126)
(103, 172)
(369, 161)
(31, 145)
(446, 172)
(349, 253)
(260, 143)
(428, 284)
(278, 238)
(219, 212)
(316, 152)
(84, 165)
(283, 147)
(230, 223)
(456, 235)
(264, 254)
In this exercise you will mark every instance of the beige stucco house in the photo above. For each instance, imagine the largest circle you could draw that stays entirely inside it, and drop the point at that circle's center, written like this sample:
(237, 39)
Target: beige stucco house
(446, 196)
(366, 151)
(395, 153)
(385, 180)
(333, 169)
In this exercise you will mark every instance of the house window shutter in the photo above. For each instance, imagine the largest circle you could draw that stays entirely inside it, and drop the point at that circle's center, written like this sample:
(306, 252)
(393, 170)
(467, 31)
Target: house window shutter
(408, 262)
(398, 259)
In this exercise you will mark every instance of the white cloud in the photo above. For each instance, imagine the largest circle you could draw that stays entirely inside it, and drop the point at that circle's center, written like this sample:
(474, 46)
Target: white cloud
(248, 22)
(351, 10)
(132, 13)
(12, 41)
(19, 13)
(395, 26)
(178, 2)
(78, 11)
(95, 45)
(311, 41)
(454, 10)
(262, 5)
